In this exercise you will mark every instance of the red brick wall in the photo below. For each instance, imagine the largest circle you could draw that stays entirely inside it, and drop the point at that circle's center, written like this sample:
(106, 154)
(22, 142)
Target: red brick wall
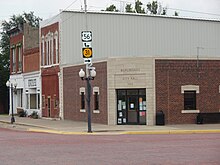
(71, 93)
(50, 88)
(51, 28)
(13, 41)
(31, 60)
(172, 74)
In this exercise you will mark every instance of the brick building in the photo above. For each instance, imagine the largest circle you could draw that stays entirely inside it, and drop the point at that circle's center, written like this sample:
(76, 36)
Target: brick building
(144, 64)
(49, 35)
(24, 68)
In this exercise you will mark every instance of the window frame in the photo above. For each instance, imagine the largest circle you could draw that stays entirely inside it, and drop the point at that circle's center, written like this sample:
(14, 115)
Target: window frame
(190, 100)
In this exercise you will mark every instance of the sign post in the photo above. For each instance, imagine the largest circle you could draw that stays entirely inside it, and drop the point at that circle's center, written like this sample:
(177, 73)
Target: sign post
(87, 46)
(90, 71)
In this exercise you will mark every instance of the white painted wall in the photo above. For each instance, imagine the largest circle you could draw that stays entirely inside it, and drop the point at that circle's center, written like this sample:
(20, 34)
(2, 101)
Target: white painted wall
(133, 35)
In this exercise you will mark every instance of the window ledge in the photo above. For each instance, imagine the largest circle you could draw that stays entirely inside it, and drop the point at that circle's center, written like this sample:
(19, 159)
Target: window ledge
(190, 111)
(96, 111)
(82, 110)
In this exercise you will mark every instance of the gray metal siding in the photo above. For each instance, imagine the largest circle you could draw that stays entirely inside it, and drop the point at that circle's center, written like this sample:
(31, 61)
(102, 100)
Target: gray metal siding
(123, 35)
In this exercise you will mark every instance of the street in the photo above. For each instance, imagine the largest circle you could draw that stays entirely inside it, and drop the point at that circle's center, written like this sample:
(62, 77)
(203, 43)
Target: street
(19, 147)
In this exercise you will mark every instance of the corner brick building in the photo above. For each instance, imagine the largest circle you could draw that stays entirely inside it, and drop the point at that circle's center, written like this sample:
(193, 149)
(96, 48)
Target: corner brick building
(145, 64)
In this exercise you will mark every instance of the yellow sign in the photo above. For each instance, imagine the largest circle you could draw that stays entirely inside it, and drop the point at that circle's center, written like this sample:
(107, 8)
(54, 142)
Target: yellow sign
(87, 52)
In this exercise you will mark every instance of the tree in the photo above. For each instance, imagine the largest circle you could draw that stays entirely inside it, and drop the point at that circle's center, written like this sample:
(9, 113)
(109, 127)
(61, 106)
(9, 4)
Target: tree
(111, 8)
(14, 21)
(176, 13)
(128, 9)
(138, 7)
(156, 8)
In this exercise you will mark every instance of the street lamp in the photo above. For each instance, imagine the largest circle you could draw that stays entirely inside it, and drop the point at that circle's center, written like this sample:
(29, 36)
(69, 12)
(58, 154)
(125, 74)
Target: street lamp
(89, 75)
(12, 87)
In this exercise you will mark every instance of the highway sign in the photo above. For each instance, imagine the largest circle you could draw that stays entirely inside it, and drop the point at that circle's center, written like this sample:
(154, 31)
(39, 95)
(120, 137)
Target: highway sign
(87, 45)
(87, 60)
(86, 36)
(87, 52)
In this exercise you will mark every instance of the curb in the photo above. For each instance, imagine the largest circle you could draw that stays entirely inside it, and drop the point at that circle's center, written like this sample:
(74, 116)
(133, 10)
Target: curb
(127, 132)
(44, 129)
(171, 132)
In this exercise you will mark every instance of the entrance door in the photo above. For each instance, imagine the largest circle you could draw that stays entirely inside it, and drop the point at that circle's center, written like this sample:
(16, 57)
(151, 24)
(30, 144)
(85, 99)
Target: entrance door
(131, 106)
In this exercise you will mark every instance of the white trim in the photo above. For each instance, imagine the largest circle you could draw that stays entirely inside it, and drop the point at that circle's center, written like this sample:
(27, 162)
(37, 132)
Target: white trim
(82, 89)
(96, 111)
(189, 88)
(190, 111)
(82, 110)
(95, 89)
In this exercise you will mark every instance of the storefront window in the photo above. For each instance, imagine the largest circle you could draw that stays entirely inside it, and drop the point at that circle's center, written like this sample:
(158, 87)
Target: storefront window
(33, 101)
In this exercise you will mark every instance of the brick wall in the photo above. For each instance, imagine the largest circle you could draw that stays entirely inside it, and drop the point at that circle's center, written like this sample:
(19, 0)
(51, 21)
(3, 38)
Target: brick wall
(31, 36)
(31, 60)
(172, 74)
(14, 40)
(50, 88)
(71, 93)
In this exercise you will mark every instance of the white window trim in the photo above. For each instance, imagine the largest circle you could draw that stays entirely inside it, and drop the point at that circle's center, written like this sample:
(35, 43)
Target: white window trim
(51, 48)
(190, 111)
(56, 46)
(96, 111)
(189, 88)
(43, 51)
(95, 89)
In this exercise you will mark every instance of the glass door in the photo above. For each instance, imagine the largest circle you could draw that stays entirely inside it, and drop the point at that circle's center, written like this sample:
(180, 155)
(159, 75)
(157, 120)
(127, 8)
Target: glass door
(132, 110)
(131, 106)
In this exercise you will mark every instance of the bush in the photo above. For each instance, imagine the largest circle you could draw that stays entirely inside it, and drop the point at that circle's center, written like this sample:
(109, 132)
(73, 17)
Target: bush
(34, 115)
(22, 113)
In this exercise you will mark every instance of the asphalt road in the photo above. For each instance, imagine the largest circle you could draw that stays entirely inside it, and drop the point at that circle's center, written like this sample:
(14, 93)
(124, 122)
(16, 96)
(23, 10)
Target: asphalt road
(27, 148)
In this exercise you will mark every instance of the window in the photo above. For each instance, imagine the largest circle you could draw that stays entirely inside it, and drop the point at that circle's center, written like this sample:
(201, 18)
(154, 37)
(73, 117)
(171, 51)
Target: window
(38, 101)
(13, 60)
(56, 102)
(49, 49)
(96, 101)
(19, 59)
(33, 101)
(190, 100)
(42, 51)
(43, 101)
(20, 97)
(82, 100)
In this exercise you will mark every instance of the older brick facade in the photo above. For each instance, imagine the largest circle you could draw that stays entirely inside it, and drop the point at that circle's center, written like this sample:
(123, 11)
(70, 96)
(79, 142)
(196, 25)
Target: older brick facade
(170, 75)
(31, 51)
(49, 70)
(50, 92)
(71, 90)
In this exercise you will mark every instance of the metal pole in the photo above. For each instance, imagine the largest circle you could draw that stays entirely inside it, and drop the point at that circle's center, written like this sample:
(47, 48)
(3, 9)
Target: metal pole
(88, 105)
(12, 106)
(86, 14)
(88, 98)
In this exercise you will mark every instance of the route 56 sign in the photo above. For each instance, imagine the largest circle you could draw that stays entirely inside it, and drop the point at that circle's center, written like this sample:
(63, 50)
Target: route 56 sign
(86, 36)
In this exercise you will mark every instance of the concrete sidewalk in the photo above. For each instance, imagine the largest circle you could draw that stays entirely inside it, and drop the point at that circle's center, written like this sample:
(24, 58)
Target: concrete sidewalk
(75, 127)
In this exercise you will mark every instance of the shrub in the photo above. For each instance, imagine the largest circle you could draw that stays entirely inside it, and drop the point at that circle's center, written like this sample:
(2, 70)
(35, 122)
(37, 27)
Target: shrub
(22, 113)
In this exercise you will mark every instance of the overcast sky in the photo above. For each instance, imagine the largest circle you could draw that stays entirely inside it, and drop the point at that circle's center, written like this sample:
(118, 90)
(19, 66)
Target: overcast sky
(48, 8)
